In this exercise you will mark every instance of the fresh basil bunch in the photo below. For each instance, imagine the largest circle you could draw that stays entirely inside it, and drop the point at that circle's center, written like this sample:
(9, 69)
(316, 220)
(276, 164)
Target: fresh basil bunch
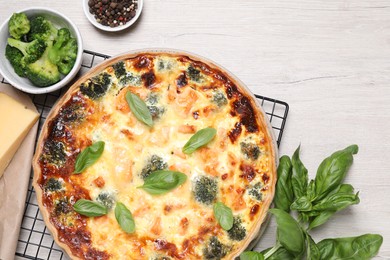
(315, 201)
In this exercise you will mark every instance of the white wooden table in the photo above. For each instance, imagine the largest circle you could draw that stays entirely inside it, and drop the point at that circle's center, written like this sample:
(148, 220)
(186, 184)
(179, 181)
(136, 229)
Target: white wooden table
(329, 59)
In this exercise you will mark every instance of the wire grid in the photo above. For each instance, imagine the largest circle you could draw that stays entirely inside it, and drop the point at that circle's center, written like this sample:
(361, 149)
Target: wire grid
(35, 240)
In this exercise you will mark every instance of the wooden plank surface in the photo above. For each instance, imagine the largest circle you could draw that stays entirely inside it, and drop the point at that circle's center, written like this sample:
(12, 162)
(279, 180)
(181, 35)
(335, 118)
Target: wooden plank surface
(330, 60)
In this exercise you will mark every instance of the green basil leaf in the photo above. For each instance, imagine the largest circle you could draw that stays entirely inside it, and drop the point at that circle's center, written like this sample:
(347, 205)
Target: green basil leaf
(284, 195)
(312, 251)
(139, 108)
(337, 202)
(160, 182)
(125, 218)
(280, 254)
(289, 233)
(302, 204)
(88, 156)
(89, 208)
(332, 171)
(359, 248)
(199, 139)
(251, 255)
(299, 178)
(321, 218)
(224, 215)
(310, 192)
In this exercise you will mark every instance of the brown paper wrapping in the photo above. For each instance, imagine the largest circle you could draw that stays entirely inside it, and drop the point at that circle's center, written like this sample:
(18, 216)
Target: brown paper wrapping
(14, 183)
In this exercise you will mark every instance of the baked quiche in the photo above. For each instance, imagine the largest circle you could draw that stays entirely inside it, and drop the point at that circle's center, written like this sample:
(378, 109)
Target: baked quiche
(155, 155)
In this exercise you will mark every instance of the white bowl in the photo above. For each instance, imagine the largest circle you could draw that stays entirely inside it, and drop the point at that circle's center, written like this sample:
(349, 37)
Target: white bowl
(59, 21)
(92, 19)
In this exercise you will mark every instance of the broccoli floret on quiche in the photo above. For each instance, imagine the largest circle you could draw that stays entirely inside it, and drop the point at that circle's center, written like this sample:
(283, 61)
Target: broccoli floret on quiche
(53, 184)
(97, 86)
(119, 69)
(214, 249)
(219, 98)
(255, 191)
(205, 189)
(194, 74)
(238, 231)
(106, 198)
(250, 150)
(54, 153)
(155, 163)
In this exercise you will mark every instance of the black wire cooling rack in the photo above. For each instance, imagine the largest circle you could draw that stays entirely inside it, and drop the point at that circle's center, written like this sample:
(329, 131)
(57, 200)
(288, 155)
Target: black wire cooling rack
(35, 241)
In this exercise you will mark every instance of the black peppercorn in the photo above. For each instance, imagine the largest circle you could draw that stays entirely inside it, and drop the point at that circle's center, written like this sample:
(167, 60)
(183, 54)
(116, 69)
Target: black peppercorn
(113, 12)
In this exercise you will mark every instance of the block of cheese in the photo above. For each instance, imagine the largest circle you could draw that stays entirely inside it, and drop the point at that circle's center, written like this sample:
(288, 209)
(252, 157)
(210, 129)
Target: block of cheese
(16, 121)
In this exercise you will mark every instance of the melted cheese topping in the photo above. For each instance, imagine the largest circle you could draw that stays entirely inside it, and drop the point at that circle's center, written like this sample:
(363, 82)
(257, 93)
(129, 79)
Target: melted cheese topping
(175, 218)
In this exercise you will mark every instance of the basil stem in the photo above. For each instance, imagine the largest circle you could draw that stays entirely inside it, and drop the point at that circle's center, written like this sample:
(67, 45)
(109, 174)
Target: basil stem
(289, 233)
(89, 156)
(251, 255)
(125, 218)
(299, 178)
(139, 109)
(312, 251)
(332, 171)
(224, 215)
(90, 208)
(284, 195)
(277, 253)
(160, 182)
(361, 247)
(199, 139)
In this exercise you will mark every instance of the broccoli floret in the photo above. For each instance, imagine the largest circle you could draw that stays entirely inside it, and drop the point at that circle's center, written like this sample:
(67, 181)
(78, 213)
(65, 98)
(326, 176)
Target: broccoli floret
(205, 189)
(43, 73)
(97, 86)
(152, 98)
(119, 69)
(15, 58)
(31, 51)
(155, 163)
(219, 98)
(250, 150)
(54, 153)
(238, 231)
(106, 198)
(255, 191)
(63, 53)
(164, 65)
(43, 29)
(130, 79)
(156, 111)
(62, 206)
(214, 249)
(18, 25)
(53, 184)
(72, 113)
(193, 74)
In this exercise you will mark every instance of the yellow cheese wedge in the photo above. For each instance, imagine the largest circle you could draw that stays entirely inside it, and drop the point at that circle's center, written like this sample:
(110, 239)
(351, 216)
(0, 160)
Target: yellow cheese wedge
(15, 122)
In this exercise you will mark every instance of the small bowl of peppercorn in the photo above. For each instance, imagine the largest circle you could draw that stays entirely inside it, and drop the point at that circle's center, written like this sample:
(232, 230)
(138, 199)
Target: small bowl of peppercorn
(112, 15)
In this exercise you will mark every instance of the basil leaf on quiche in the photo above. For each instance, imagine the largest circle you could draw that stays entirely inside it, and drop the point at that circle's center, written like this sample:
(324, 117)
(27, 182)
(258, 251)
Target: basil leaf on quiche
(160, 182)
(125, 218)
(224, 215)
(88, 156)
(199, 139)
(90, 208)
(139, 108)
